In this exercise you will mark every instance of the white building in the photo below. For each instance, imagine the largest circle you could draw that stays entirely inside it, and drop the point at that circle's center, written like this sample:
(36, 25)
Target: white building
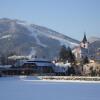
(61, 67)
(82, 50)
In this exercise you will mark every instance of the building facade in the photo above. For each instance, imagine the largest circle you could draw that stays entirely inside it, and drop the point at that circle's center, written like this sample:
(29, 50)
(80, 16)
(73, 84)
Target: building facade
(82, 50)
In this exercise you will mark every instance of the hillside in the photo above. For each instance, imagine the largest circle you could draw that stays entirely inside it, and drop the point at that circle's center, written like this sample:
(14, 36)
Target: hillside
(30, 39)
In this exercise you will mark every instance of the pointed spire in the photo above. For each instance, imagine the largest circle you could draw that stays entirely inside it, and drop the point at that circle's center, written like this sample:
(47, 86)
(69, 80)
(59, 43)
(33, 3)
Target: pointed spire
(84, 39)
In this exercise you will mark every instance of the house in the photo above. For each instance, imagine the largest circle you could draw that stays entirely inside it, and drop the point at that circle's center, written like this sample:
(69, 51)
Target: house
(61, 68)
(28, 67)
(35, 65)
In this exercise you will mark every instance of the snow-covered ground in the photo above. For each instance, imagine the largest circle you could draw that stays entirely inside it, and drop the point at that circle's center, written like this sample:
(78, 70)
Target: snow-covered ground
(20, 88)
(48, 33)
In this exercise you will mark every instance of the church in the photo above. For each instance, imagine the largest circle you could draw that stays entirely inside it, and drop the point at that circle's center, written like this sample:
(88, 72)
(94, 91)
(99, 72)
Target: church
(82, 50)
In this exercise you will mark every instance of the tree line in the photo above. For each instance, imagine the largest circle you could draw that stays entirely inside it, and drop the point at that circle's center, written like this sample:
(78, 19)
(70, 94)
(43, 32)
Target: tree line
(66, 54)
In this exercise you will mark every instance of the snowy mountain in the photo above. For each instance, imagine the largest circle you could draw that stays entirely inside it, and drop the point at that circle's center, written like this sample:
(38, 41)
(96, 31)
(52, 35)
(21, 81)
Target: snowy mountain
(94, 45)
(93, 39)
(30, 39)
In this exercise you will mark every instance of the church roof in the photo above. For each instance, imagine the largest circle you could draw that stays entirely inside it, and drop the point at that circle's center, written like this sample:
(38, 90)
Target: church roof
(84, 39)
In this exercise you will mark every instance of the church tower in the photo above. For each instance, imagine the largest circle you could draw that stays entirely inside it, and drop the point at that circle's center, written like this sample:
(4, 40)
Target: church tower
(84, 47)
(82, 50)
(84, 43)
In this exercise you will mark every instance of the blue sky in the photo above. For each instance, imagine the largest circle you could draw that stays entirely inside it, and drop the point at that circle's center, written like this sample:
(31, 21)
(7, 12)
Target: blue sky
(70, 17)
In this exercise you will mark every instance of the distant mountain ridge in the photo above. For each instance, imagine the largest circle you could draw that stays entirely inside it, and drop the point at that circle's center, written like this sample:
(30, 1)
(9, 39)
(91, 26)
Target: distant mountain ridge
(94, 46)
(93, 39)
(30, 39)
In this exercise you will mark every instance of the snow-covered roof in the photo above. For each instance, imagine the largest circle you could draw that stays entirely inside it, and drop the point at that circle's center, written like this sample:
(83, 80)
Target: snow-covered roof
(16, 57)
(38, 59)
(61, 67)
(61, 64)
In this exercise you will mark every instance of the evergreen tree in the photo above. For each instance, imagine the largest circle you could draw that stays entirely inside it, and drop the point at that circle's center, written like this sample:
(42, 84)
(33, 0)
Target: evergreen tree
(66, 54)
(71, 57)
(63, 55)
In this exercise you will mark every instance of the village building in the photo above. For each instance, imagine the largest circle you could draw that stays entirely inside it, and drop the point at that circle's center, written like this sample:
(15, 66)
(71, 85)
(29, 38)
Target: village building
(82, 50)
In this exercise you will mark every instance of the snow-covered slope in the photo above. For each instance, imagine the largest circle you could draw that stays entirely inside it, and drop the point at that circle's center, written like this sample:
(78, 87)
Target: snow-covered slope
(30, 39)
(94, 45)
(42, 31)
(93, 39)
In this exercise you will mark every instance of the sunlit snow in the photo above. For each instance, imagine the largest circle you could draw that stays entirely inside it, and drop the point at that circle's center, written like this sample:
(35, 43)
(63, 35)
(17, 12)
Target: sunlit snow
(5, 36)
(33, 33)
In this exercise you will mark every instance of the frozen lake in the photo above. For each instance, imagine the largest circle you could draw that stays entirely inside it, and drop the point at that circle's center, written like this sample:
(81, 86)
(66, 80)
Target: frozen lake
(14, 88)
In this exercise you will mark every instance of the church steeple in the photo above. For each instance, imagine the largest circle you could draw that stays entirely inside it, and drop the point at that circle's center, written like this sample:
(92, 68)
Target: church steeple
(84, 43)
(84, 39)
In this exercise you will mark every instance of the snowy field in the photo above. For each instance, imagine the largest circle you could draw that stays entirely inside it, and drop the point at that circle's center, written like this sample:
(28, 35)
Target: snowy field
(22, 88)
